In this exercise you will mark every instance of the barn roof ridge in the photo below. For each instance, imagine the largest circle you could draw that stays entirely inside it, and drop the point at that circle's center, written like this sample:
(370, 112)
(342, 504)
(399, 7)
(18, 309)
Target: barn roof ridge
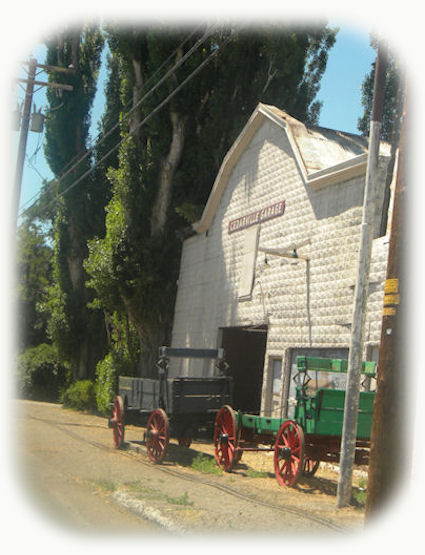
(324, 156)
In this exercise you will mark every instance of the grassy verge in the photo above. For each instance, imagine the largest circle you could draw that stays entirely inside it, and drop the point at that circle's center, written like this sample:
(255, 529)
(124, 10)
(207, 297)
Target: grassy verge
(206, 465)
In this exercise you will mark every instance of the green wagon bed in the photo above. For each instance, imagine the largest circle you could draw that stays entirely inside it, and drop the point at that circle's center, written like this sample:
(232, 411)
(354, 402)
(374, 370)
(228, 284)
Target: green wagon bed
(312, 435)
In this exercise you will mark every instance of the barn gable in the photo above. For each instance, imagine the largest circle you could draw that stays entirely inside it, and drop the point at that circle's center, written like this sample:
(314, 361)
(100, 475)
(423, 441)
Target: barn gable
(323, 156)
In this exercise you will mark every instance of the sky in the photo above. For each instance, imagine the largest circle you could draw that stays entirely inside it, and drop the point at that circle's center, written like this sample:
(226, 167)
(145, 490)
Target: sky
(349, 61)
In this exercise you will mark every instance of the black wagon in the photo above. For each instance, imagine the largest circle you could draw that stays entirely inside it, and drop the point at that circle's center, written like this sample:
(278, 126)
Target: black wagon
(171, 407)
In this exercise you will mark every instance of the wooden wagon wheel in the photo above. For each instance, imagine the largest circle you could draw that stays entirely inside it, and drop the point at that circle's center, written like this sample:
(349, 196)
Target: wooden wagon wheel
(117, 422)
(310, 466)
(225, 438)
(157, 435)
(289, 453)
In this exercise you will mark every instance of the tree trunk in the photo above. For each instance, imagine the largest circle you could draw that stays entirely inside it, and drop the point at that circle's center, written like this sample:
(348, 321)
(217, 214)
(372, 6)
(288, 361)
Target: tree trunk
(168, 168)
(136, 116)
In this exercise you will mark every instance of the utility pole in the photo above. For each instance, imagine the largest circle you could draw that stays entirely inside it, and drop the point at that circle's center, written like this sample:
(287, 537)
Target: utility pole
(388, 444)
(23, 136)
(349, 430)
(26, 114)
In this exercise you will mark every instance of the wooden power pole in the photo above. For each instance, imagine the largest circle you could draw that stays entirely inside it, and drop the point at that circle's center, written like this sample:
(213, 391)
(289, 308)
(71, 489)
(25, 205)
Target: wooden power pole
(22, 146)
(30, 82)
(355, 357)
(387, 439)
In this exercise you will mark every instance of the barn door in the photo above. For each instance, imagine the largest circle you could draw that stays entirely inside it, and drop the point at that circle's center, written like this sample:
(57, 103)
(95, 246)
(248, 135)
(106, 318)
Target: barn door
(244, 351)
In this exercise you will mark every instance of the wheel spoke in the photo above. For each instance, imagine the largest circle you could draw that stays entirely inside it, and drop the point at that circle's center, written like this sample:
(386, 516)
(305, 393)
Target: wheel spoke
(288, 453)
(225, 435)
(157, 435)
(117, 422)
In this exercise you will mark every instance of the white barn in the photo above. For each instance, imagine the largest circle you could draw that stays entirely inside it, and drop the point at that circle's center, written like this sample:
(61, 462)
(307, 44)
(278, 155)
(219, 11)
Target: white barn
(282, 188)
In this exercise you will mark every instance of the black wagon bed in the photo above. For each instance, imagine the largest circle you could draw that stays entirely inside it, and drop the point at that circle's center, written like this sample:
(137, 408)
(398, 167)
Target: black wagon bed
(182, 395)
(181, 407)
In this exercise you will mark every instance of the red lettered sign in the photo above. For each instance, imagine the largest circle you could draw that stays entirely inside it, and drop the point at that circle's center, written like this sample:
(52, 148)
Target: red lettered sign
(273, 211)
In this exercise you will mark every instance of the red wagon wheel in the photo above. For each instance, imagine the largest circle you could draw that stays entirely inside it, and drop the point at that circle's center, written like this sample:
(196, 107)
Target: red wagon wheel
(225, 438)
(289, 453)
(157, 435)
(117, 422)
(310, 466)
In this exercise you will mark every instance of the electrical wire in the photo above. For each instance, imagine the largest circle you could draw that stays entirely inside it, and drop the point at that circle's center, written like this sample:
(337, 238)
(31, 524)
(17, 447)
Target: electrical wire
(145, 120)
(99, 139)
(206, 35)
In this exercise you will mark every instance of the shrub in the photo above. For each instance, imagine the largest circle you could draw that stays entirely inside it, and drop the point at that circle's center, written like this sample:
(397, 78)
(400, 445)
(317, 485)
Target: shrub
(107, 371)
(81, 395)
(205, 464)
(41, 375)
(106, 376)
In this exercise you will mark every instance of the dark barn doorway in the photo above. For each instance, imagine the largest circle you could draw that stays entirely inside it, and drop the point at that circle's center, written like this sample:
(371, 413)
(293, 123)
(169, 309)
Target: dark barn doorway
(244, 350)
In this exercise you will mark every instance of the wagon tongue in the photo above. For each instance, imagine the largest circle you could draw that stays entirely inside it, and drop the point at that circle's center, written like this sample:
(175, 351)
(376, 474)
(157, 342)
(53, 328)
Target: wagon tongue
(285, 453)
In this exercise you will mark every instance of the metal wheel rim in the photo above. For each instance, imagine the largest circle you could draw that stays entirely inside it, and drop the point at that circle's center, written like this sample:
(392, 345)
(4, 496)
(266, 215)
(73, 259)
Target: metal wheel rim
(288, 470)
(157, 435)
(118, 427)
(225, 426)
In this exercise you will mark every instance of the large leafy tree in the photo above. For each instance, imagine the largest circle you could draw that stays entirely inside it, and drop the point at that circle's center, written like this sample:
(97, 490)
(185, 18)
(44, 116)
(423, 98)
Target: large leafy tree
(392, 100)
(167, 165)
(34, 258)
(76, 331)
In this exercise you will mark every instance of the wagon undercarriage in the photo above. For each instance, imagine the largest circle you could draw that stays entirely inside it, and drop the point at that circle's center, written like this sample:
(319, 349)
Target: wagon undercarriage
(301, 443)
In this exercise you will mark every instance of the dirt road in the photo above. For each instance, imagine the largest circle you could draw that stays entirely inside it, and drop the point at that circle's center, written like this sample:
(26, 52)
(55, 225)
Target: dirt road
(73, 473)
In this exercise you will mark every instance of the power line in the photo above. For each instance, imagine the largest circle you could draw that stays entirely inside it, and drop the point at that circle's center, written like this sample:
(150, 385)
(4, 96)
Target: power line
(206, 35)
(146, 119)
(101, 138)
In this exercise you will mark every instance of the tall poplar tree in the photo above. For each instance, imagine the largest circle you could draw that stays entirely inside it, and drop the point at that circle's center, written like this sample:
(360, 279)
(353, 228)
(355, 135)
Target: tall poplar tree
(167, 166)
(77, 331)
(393, 100)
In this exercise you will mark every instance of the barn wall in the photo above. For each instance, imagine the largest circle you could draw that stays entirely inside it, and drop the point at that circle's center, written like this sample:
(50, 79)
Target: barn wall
(303, 304)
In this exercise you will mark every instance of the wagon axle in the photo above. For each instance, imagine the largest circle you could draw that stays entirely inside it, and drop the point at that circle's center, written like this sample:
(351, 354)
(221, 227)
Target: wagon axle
(284, 453)
(224, 439)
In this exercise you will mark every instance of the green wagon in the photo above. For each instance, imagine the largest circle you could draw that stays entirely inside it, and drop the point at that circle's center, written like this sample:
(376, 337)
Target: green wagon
(314, 432)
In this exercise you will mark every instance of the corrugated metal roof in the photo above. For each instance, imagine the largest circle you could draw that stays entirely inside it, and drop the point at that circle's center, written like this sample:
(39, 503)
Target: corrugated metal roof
(320, 147)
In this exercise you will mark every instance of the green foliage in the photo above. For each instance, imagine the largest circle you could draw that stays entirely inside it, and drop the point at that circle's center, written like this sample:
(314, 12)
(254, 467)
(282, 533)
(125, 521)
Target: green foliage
(81, 395)
(43, 211)
(106, 377)
(77, 331)
(121, 360)
(41, 375)
(359, 493)
(252, 473)
(190, 212)
(392, 100)
(34, 257)
(205, 464)
(180, 500)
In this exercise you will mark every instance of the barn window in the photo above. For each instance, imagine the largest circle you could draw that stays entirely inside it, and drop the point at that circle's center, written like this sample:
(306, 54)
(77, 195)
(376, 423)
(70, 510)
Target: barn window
(276, 364)
(249, 257)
